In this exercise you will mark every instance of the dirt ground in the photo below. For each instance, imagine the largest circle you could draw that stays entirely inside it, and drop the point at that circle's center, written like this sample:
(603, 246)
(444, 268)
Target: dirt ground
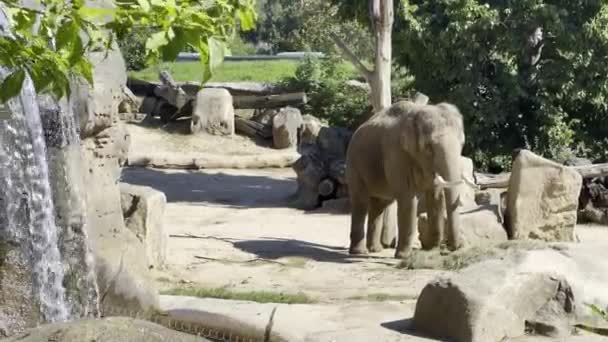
(234, 229)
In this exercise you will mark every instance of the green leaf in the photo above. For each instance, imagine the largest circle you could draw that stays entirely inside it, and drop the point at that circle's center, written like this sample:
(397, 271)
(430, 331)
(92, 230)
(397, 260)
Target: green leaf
(156, 40)
(66, 35)
(217, 51)
(11, 85)
(247, 19)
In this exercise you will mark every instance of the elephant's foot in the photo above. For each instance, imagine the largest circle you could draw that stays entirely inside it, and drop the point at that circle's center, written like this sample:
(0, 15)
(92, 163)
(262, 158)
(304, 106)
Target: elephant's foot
(358, 250)
(392, 244)
(455, 245)
(403, 254)
(375, 248)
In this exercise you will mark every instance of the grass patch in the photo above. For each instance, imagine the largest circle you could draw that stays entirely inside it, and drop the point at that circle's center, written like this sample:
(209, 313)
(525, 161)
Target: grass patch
(382, 297)
(443, 260)
(253, 296)
(258, 71)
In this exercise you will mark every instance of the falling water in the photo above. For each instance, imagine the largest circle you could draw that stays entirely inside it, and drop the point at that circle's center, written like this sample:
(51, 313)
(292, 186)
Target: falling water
(26, 191)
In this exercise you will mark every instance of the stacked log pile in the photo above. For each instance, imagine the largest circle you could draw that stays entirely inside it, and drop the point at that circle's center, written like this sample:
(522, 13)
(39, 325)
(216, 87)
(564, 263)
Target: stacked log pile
(321, 168)
(171, 100)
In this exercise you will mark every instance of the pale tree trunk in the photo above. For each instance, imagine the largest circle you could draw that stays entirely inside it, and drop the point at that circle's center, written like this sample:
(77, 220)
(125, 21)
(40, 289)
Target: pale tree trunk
(379, 79)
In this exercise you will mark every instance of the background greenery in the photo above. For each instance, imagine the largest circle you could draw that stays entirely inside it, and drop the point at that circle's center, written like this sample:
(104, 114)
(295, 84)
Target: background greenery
(469, 52)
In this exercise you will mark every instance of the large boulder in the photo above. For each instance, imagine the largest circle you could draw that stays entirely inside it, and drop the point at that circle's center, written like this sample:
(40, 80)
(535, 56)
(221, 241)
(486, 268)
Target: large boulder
(542, 200)
(213, 112)
(285, 125)
(481, 225)
(492, 301)
(110, 329)
(143, 209)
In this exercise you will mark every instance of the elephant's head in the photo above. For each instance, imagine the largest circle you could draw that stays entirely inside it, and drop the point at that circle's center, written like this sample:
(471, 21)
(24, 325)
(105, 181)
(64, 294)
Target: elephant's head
(433, 137)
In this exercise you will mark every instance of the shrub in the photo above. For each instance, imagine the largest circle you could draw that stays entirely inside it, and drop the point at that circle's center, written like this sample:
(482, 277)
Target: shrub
(133, 48)
(330, 98)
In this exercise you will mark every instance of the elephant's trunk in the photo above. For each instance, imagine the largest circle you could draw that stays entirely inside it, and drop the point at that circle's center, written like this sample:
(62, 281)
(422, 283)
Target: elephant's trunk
(449, 168)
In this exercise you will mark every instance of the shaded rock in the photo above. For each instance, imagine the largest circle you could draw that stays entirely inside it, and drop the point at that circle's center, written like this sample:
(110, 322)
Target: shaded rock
(110, 329)
(213, 112)
(143, 209)
(285, 126)
(148, 105)
(480, 225)
(333, 142)
(338, 205)
(542, 199)
(129, 103)
(490, 301)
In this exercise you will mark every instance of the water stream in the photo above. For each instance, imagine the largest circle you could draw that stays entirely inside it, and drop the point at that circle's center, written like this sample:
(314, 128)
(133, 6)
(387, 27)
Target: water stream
(26, 205)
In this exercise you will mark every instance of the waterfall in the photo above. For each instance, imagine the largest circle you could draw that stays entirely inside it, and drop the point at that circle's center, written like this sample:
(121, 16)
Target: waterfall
(46, 247)
(28, 205)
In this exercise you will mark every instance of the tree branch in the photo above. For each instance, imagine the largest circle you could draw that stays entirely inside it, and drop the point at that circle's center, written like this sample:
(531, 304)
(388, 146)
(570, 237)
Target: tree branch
(348, 54)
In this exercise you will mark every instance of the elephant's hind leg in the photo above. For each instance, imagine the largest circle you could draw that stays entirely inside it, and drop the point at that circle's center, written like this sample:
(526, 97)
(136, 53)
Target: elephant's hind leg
(374, 224)
(359, 208)
(407, 216)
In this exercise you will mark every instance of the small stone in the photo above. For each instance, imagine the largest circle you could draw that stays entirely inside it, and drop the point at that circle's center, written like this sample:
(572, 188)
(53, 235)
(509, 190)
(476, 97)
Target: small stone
(285, 126)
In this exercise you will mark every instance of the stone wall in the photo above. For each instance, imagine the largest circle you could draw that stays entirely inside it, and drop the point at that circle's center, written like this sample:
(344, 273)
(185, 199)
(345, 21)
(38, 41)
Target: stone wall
(122, 272)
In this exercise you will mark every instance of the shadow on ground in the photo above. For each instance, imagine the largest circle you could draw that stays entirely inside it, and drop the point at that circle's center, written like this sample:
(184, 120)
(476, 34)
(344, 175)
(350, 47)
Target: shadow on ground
(275, 248)
(406, 327)
(237, 191)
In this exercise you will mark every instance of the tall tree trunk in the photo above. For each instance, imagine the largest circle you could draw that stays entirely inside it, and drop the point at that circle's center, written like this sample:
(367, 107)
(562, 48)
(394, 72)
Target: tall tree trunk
(380, 82)
(379, 79)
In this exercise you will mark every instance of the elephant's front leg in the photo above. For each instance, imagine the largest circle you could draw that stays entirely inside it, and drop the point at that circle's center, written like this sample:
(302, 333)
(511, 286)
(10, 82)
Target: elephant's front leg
(389, 226)
(374, 224)
(407, 217)
(435, 207)
(359, 208)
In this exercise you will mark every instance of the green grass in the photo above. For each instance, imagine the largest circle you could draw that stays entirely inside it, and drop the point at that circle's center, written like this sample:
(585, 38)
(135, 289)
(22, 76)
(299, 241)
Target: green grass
(441, 260)
(258, 71)
(254, 296)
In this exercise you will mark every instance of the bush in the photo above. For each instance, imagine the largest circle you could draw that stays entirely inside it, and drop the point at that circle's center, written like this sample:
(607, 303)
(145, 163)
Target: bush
(330, 98)
(476, 54)
(133, 48)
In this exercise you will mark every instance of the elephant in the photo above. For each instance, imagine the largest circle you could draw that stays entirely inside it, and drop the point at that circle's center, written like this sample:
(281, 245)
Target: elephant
(402, 152)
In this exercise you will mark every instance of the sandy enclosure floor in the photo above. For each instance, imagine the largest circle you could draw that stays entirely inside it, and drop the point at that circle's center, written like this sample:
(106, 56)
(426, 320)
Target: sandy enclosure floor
(250, 239)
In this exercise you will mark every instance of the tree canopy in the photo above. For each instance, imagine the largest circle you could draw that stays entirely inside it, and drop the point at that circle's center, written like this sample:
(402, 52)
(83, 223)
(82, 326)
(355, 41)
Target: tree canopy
(51, 40)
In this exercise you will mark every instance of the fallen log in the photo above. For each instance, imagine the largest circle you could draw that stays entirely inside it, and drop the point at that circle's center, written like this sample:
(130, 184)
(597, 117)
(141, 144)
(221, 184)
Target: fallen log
(252, 128)
(210, 161)
(487, 181)
(269, 101)
(593, 170)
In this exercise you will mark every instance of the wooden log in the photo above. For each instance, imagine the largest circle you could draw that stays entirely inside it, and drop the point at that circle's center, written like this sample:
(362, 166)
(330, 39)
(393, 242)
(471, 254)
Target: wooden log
(327, 187)
(310, 171)
(269, 101)
(210, 161)
(593, 170)
(487, 181)
(490, 181)
(252, 128)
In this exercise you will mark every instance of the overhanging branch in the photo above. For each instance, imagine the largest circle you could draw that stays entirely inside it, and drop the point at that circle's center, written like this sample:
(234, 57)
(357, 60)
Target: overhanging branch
(348, 54)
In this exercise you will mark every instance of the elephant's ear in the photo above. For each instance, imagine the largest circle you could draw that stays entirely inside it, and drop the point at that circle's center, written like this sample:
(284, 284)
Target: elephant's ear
(453, 118)
(411, 139)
